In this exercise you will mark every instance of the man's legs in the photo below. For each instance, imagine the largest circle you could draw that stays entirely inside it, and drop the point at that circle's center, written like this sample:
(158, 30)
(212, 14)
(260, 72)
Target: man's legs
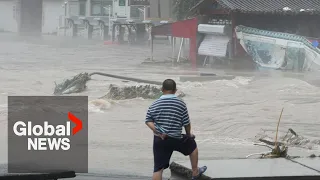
(162, 151)
(188, 147)
(157, 175)
(194, 162)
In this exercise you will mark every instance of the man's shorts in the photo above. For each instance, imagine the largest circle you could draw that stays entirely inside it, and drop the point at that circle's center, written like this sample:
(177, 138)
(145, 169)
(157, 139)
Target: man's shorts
(163, 149)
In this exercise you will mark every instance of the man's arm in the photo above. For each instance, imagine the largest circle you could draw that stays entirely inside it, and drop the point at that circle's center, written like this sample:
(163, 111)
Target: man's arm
(150, 124)
(188, 129)
(149, 121)
(186, 121)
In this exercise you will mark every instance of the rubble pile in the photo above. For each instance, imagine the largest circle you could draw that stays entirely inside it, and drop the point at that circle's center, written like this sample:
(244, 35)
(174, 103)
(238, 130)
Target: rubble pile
(140, 91)
(291, 138)
(75, 85)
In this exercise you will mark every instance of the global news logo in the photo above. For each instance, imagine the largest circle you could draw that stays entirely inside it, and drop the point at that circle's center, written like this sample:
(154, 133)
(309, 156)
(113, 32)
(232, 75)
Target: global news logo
(48, 137)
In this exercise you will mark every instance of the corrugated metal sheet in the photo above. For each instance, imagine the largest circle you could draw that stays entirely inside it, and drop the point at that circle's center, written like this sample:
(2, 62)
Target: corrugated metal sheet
(214, 45)
(211, 29)
(271, 6)
(264, 6)
(186, 29)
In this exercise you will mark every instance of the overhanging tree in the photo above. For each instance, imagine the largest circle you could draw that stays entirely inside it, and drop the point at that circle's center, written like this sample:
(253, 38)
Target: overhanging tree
(181, 8)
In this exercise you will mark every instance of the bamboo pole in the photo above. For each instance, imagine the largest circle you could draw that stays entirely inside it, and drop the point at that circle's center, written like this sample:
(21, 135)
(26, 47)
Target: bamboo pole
(276, 139)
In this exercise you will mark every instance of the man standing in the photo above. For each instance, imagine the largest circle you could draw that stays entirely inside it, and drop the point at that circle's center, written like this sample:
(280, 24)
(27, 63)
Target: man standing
(166, 117)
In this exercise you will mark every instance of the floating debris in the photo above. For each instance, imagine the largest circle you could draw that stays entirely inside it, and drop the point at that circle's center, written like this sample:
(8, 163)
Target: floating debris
(290, 139)
(286, 9)
(279, 150)
(75, 85)
(78, 83)
(312, 156)
(130, 92)
(297, 49)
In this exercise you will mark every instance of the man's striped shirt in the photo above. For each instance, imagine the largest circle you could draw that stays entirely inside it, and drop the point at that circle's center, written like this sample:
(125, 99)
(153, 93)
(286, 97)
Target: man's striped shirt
(169, 114)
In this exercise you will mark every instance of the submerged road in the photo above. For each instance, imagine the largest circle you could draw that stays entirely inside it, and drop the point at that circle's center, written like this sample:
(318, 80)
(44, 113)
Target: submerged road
(227, 115)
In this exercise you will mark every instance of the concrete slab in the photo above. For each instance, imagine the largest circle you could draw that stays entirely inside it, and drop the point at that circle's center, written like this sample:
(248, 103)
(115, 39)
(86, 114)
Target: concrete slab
(38, 176)
(54, 174)
(251, 169)
(93, 176)
(310, 162)
(204, 78)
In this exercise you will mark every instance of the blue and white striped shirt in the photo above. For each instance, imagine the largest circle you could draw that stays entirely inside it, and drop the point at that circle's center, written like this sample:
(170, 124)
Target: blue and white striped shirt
(169, 114)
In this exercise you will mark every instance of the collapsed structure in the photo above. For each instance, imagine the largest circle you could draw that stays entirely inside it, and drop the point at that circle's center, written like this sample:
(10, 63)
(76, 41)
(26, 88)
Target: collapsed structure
(147, 90)
(274, 34)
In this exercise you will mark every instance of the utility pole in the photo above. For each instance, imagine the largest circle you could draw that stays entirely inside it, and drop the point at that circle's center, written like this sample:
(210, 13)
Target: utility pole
(159, 9)
(144, 13)
(65, 18)
(109, 20)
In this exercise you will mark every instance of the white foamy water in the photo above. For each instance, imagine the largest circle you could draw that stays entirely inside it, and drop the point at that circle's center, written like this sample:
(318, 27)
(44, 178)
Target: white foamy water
(226, 115)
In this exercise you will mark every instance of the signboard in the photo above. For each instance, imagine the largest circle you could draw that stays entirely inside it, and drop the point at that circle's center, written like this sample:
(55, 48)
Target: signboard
(122, 2)
(46, 133)
(139, 2)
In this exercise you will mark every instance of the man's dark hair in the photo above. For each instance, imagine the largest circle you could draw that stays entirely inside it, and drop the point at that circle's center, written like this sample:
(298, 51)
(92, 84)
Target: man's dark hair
(169, 85)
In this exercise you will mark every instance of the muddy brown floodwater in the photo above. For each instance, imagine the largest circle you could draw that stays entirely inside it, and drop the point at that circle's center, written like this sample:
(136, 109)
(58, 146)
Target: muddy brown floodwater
(226, 115)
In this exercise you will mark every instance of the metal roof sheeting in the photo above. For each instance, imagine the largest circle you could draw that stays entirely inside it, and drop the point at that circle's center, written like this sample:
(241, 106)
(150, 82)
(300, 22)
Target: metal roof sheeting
(214, 45)
(272, 6)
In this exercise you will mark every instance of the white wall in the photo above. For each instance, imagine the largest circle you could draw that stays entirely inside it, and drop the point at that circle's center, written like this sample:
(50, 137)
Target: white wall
(73, 8)
(121, 10)
(7, 16)
(88, 8)
(52, 10)
(166, 8)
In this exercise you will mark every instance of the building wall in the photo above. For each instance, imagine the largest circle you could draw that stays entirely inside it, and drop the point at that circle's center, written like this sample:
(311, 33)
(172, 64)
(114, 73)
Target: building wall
(73, 8)
(52, 11)
(30, 17)
(8, 16)
(96, 6)
(88, 8)
(122, 10)
(165, 9)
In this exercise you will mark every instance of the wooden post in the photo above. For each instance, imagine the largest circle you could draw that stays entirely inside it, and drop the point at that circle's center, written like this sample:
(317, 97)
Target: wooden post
(173, 43)
(193, 44)
(151, 45)
(233, 37)
(180, 49)
(159, 9)
(113, 32)
(193, 53)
